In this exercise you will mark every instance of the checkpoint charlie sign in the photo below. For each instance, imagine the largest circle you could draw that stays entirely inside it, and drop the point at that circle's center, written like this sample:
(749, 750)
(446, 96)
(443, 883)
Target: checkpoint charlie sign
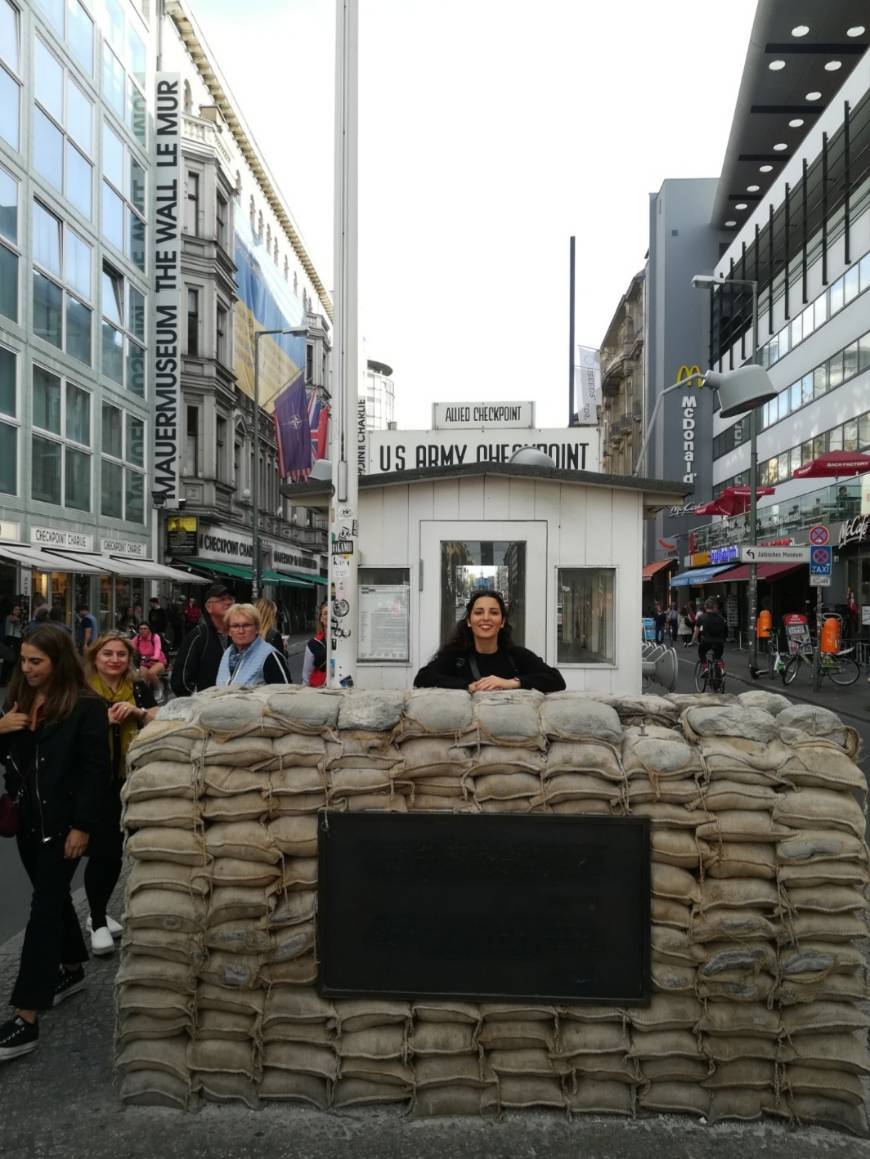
(571, 449)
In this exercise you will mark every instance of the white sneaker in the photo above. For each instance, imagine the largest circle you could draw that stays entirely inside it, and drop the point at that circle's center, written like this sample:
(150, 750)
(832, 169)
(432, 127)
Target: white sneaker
(102, 942)
(114, 928)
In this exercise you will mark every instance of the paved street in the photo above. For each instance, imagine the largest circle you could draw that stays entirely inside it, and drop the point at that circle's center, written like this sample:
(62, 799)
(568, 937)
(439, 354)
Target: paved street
(61, 1101)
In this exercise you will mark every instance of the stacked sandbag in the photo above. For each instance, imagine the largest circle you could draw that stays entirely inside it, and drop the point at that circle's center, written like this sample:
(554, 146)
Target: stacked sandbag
(759, 874)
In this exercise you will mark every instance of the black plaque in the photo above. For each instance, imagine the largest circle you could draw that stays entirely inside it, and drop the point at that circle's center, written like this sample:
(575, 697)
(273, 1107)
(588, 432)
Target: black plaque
(491, 906)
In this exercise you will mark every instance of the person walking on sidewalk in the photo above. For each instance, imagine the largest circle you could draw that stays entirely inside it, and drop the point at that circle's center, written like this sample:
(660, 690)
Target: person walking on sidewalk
(199, 657)
(314, 661)
(110, 672)
(54, 744)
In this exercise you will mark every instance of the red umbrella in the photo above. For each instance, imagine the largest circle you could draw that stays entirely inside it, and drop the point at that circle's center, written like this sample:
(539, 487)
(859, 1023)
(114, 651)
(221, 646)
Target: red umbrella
(711, 507)
(735, 500)
(833, 464)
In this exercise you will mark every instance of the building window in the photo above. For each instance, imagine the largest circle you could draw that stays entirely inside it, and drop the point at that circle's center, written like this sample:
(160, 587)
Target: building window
(61, 285)
(286, 269)
(122, 330)
(61, 442)
(10, 68)
(191, 204)
(188, 98)
(221, 448)
(193, 322)
(123, 198)
(124, 70)
(586, 628)
(122, 480)
(8, 422)
(8, 245)
(221, 334)
(63, 130)
(221, 217)
(191, 441)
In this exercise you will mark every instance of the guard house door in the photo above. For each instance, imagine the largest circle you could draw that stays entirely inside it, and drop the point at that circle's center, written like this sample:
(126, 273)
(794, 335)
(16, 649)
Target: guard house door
(460, 556)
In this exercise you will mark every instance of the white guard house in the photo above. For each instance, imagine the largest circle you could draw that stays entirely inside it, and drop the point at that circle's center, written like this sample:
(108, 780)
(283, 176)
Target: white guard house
(563, 547)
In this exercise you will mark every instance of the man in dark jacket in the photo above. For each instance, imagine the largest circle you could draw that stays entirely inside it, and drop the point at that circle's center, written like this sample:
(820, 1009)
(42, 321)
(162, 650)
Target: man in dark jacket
(196, 665)
(157, 619)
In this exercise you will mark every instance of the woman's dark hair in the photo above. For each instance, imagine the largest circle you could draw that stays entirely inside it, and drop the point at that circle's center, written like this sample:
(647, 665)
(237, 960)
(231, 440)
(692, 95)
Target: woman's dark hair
(463, 637)
(144, 624)
(67, 681)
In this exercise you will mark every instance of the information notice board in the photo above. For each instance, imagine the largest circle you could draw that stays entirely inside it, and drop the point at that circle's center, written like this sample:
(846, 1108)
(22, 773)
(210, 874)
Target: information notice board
(384, 622)
(491, 906)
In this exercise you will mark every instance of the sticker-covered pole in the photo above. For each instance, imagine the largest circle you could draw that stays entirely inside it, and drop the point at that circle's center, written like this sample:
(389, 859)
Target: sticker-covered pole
(343, 517)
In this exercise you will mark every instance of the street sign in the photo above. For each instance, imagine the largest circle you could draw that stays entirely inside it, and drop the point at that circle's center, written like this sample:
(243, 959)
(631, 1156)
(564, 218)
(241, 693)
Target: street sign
(819, 535)
(821, 561)
(820, 581)
(774, 554)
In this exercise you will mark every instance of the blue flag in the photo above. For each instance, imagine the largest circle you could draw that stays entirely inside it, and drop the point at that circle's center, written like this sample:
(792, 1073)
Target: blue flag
(292, 431)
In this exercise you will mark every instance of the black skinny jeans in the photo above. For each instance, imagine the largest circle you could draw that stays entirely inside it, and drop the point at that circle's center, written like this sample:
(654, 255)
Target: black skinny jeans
(105, 854)
(53, 934)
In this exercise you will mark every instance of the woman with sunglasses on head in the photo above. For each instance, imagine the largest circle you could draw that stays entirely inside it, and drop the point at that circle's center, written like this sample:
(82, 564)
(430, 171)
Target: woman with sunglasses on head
(249, 660)
(111, 673)
(480, 656)
(54, 745)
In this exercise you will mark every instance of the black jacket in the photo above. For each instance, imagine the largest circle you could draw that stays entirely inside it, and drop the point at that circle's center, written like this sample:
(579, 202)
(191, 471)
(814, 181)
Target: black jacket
(451, 668)
(199, 657)
(61, 771)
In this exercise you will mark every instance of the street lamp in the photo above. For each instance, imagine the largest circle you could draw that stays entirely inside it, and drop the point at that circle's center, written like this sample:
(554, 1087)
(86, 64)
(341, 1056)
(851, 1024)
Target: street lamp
(741, 405)
(298, 332)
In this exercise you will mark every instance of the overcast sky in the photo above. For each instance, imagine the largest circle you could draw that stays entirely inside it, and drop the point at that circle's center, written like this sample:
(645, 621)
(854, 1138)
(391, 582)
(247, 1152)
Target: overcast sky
(490, 132)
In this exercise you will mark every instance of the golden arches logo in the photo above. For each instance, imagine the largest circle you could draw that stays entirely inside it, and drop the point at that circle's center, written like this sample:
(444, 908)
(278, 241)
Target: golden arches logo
(689, 375)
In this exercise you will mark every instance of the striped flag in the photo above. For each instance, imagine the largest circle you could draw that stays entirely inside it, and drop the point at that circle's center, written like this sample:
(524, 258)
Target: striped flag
(318, 422)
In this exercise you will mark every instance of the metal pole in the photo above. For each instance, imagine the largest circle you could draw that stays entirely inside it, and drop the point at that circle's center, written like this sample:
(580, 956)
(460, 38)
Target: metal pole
(345, 431)
(753, 497)
(571, 313)
(255, 476)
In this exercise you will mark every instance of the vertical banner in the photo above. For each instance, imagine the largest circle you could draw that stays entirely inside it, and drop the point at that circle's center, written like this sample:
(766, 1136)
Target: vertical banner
(167, 284)
(587, 386)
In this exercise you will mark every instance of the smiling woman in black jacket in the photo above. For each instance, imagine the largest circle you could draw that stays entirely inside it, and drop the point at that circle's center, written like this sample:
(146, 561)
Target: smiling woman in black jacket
(54, 744)
(480, 656)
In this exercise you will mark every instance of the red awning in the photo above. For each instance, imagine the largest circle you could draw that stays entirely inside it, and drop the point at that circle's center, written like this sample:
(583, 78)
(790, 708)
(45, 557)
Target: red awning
(766, 571)
(650, 569)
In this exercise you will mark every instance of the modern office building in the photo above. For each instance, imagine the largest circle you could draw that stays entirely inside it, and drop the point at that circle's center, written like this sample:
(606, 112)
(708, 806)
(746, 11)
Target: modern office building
(378, 395)
(85, 449)
(795, 193)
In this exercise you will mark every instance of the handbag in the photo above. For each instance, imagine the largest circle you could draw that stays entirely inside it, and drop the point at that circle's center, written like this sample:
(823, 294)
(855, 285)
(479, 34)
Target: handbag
(8, 816)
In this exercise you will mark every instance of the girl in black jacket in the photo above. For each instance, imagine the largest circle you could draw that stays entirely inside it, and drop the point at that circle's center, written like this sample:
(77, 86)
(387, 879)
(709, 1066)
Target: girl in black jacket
(480, 656)
(54, 744)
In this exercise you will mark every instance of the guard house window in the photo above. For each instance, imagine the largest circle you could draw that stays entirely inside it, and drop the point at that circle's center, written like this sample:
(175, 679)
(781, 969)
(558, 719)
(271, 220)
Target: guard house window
(384, 615)
(191, 204)
(8, 245)
(585, 624)
(193, 322)
(122, 477)
(468, 565)
(63, 132)
(61, 442)
(8, 422)
(10, 69)
(61, 285)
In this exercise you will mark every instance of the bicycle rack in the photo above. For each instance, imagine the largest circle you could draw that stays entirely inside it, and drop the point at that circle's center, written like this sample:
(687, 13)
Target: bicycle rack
(660, 663)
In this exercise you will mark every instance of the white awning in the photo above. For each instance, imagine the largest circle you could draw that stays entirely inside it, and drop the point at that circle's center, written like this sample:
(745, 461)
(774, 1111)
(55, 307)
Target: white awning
(126, 565)
(44, 560)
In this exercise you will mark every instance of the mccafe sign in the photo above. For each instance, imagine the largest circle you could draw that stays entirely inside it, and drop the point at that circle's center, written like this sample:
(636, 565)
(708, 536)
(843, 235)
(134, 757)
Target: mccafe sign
(854, 530)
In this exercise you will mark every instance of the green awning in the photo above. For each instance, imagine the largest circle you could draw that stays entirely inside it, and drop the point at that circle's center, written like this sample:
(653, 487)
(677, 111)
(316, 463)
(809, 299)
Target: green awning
(304, 578)
(235, 570)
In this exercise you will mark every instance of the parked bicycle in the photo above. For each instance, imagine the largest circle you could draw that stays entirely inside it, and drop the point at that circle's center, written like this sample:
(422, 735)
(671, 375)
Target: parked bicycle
(710, 673)
(840, 667)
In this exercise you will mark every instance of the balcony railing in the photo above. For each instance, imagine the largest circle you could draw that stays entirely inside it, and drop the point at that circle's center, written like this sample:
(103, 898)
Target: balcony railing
(829, 504)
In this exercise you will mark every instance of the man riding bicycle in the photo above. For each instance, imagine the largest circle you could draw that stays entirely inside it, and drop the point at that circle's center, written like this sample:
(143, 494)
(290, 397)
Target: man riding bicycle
(711, 632)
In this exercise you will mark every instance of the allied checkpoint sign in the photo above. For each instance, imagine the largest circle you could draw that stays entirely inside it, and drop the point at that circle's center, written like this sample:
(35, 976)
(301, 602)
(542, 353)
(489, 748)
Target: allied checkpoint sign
(570, 448)
(495, 906)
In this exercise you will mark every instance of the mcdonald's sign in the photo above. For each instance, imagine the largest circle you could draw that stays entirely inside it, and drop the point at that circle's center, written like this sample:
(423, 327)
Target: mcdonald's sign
(689, 375)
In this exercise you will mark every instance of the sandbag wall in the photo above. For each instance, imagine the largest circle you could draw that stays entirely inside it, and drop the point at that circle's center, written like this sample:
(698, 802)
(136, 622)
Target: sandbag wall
(759, 904)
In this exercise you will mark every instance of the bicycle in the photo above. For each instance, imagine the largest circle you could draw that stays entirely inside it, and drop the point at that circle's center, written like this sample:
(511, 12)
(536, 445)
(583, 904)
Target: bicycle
(714, 675)
(776, 662)
(841, 668)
